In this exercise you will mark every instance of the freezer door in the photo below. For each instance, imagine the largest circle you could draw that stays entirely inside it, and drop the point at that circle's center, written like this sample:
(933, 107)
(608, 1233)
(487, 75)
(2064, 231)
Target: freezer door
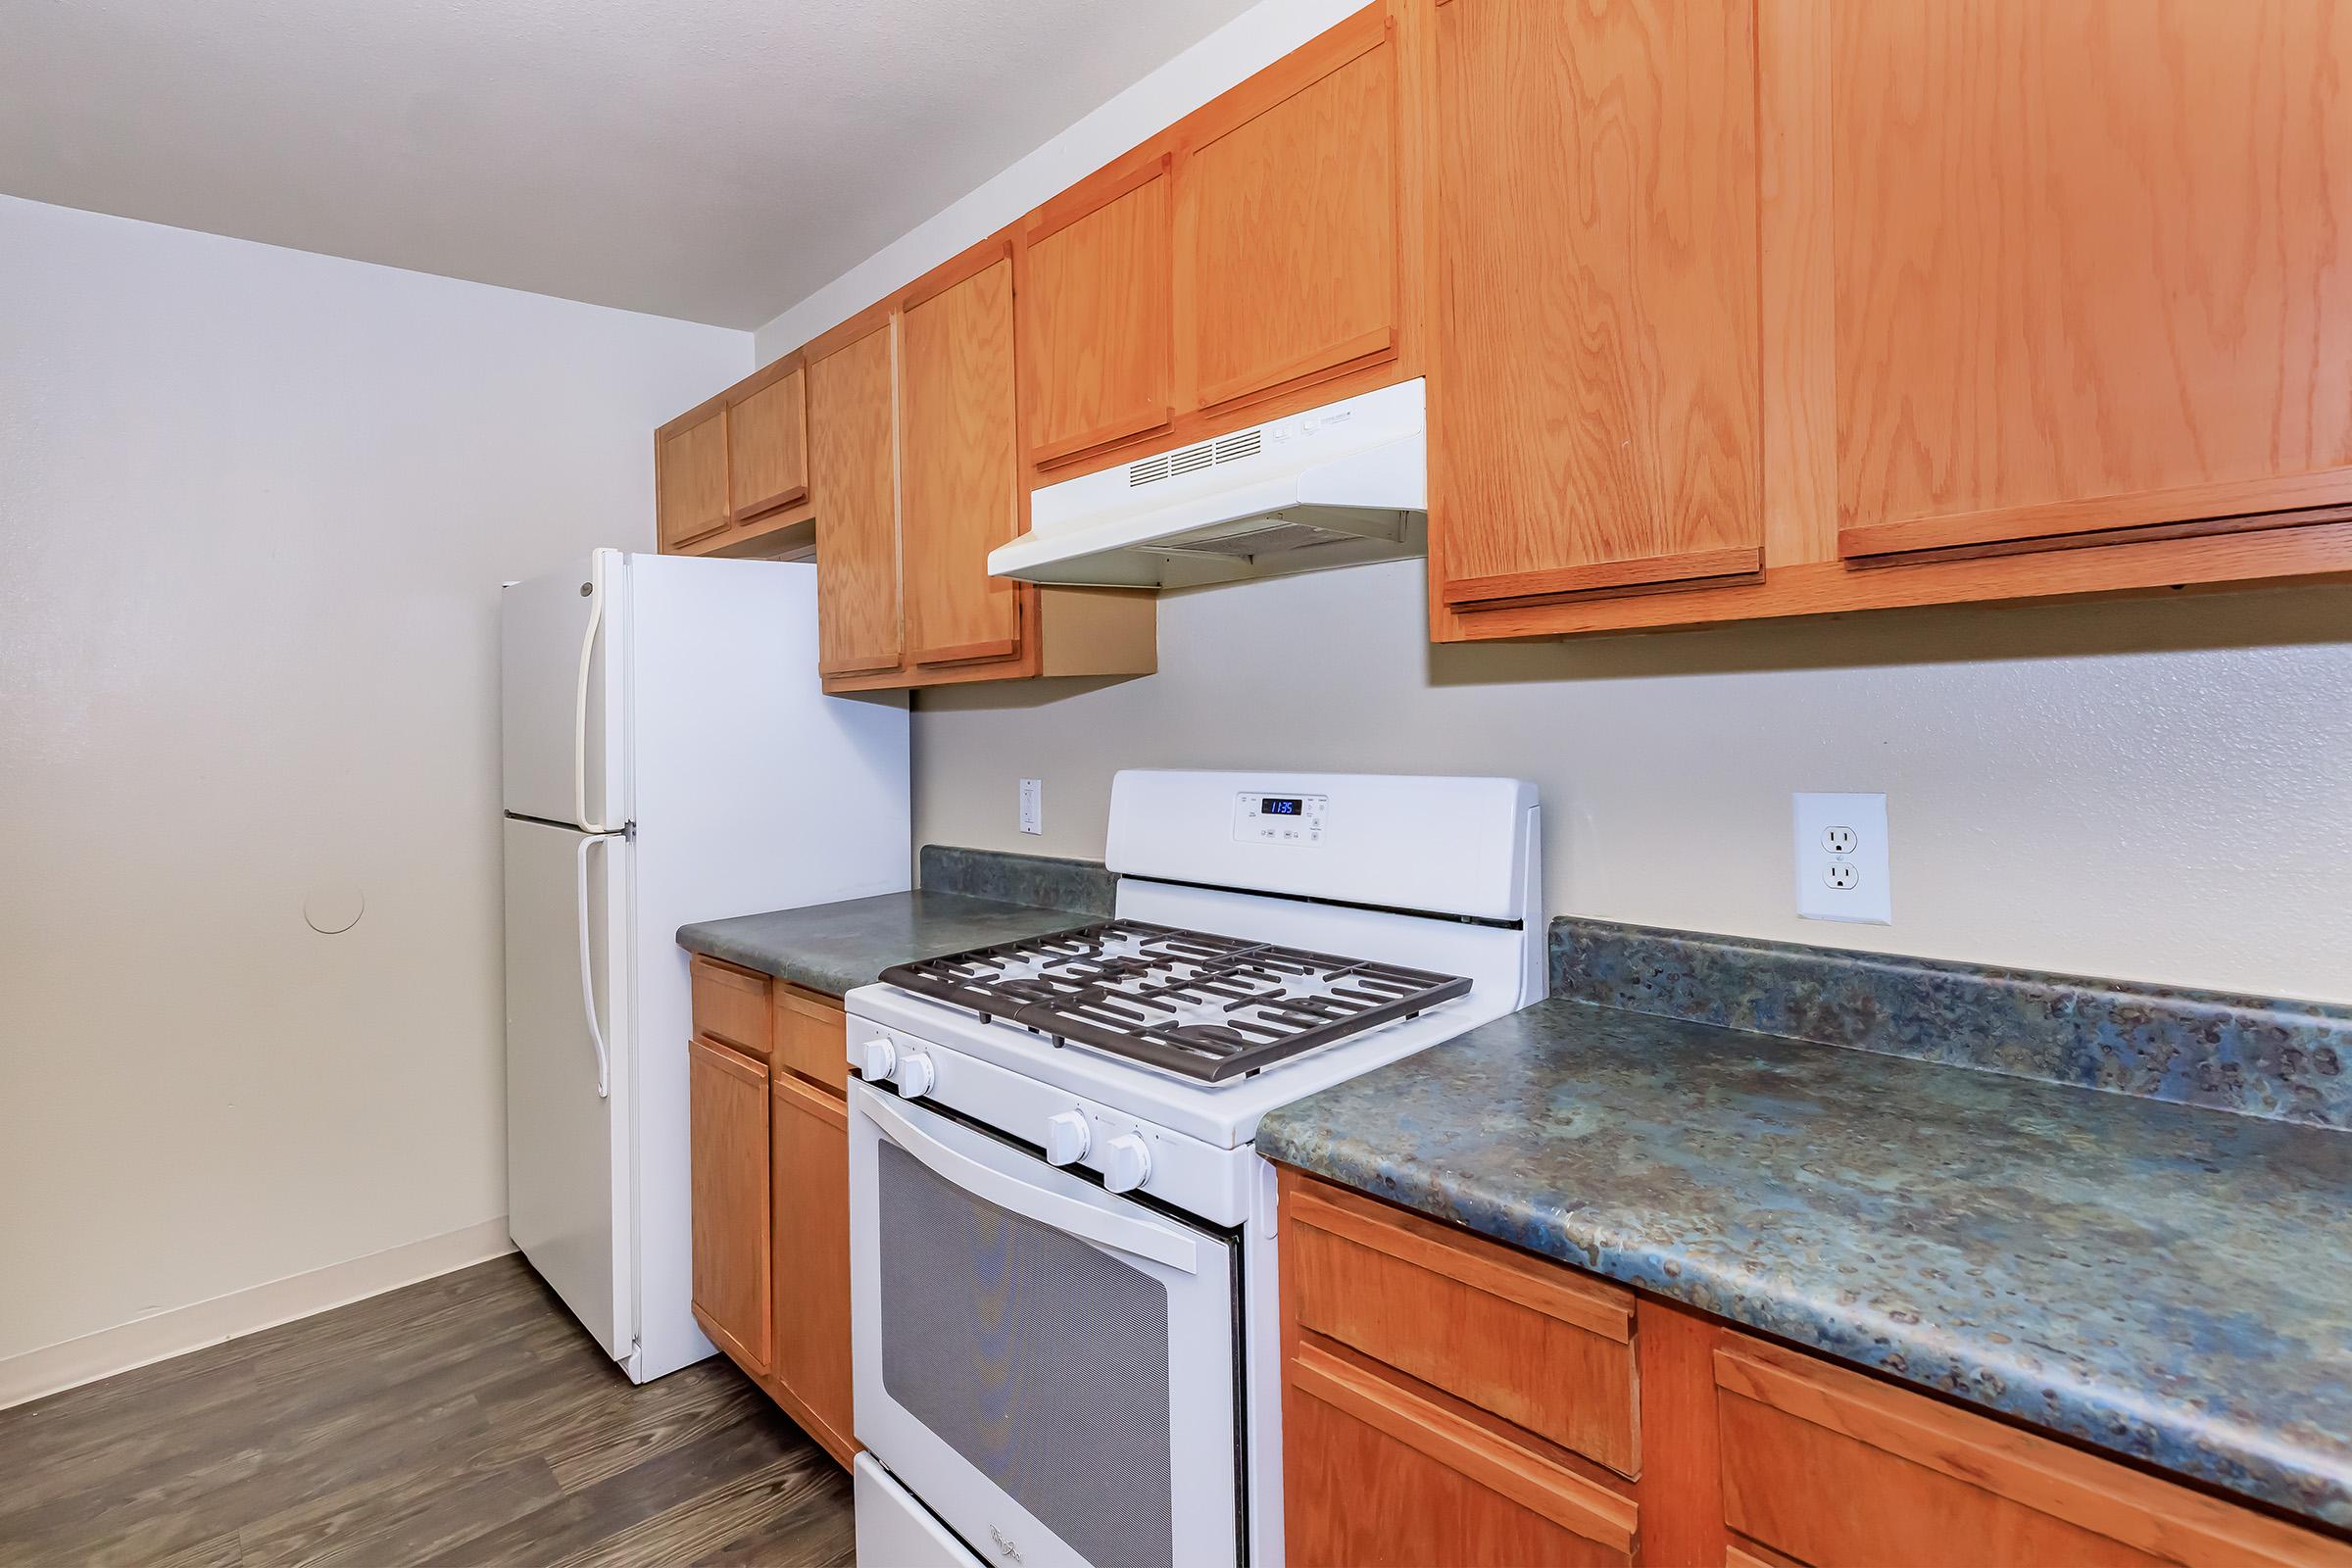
(569, 1185)
(561, 755)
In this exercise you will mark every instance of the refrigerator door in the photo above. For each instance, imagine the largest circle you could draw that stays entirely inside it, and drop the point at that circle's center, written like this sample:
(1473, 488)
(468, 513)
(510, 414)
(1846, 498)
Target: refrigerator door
(569, 1074)
(751, 790)
(560, 697)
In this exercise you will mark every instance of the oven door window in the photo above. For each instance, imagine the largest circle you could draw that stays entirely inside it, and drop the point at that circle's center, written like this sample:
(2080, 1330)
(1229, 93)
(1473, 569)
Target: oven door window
(1041, 1386)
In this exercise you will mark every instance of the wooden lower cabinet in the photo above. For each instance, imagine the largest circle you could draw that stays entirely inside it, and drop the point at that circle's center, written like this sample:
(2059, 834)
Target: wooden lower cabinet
(770, 1154)
(728, 1137)
(1401, 1444)
(809, 1166)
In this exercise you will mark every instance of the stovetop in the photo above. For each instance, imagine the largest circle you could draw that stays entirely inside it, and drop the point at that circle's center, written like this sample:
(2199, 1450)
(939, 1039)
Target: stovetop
(1208, 1007)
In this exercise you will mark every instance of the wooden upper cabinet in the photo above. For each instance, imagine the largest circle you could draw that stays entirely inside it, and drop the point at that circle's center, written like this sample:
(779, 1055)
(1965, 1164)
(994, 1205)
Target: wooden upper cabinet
(690, 480)
(962, 469)
(1595, 398)
(1095, 315)
(1287, 227)
(852, 476)
(2090, 273)
(767, 445)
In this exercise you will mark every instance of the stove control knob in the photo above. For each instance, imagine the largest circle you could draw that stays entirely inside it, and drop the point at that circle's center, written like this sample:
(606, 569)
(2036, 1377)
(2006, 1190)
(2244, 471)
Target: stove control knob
(1126, 1164)
(1067, 1137)
(914, 1076)
(876, 1057)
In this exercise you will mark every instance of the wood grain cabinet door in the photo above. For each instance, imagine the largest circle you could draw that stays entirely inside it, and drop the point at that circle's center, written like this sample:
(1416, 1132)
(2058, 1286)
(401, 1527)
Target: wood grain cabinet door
(1288, 230)
(767, 447)
(2091, 278)
(730, 1191)
(961, 471)
(810, 1159)
(1096, 341)
(690, 481)
(1595, 399)
(852, 476)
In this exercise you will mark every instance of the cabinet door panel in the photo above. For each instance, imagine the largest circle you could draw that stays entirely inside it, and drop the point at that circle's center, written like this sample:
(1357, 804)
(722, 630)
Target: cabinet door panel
(2089, 266)
(961, 471)
(852, 472)
(728, 1139)
(767, 447)
(1596, 407)
(691, 498)
(1094, 321)
(1292, 219)
(811, 1164)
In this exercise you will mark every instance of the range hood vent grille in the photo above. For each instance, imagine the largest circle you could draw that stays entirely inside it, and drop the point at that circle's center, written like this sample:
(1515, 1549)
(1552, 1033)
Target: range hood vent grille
(1192, 459)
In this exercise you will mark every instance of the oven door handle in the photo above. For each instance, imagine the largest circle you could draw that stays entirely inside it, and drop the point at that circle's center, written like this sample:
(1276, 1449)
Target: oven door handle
(1172, 1248)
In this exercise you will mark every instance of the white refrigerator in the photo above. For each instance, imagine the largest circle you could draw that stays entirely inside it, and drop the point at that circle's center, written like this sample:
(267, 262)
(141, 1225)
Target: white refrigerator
(668, 757)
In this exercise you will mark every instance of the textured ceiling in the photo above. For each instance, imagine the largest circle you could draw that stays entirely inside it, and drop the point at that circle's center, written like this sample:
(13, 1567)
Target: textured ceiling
(714, 161)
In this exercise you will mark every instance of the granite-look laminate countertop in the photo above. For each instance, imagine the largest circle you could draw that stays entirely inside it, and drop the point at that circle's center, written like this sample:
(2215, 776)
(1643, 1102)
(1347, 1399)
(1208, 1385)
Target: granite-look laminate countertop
(2168, 1281)
(835, 947)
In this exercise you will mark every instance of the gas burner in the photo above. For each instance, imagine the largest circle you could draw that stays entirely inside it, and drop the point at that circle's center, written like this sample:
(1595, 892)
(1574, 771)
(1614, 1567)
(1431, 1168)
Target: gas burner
(1206, 1006)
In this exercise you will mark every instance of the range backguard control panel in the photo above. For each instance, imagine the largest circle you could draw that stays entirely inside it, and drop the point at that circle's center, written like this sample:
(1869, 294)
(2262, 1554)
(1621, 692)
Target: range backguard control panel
(1270, 818)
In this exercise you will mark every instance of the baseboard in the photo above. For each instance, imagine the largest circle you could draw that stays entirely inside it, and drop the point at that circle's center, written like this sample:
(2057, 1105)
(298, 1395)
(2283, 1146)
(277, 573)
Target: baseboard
(70, 1363)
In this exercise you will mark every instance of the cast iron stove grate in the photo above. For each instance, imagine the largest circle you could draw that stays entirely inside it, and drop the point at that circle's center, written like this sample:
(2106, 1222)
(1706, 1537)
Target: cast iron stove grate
(1206, 1006)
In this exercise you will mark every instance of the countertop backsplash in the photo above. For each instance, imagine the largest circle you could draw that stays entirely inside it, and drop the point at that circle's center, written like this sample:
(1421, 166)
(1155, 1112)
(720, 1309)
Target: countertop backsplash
(2257, 1055)
(1047, 881)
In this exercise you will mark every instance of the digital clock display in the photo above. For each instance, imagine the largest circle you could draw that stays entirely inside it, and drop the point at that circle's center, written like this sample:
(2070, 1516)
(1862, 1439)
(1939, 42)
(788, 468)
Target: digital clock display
(1282, 805)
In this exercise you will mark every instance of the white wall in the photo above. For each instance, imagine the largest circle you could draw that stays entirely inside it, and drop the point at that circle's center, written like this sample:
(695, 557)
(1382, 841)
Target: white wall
(2153, 790)
(253, 508)
(2157, 790)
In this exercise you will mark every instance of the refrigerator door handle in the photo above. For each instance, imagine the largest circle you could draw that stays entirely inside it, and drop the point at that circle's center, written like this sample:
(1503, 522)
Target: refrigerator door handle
(595, 589)
(596, 1033)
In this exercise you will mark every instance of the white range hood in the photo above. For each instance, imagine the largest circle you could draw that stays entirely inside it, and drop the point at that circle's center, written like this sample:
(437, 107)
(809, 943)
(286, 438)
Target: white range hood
(1334, 486)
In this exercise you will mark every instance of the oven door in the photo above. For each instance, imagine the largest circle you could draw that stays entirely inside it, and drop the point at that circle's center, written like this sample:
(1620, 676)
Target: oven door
(1052, 1368)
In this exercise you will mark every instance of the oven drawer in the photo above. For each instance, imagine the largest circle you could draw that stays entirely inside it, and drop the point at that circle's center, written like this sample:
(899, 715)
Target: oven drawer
(1466, 1316)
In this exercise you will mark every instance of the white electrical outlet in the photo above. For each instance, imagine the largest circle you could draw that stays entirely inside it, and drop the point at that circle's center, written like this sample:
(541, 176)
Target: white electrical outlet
(1842, 860)
(1032, 805)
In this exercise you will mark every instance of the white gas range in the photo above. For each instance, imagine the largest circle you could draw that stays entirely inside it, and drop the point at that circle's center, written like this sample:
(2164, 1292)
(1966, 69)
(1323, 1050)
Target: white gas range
(1062, 1244)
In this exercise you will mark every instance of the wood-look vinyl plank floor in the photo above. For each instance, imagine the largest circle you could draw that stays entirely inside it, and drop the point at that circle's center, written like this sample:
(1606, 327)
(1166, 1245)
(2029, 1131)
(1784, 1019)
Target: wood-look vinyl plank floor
(464, 1420)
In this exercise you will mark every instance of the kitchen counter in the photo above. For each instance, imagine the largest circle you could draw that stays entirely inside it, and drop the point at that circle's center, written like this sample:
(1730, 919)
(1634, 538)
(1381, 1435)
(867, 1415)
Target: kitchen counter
(835, 947)
(2171, 1283)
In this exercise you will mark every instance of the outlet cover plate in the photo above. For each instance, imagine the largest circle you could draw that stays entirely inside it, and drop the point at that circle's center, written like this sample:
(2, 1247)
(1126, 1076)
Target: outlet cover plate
(1835, 882)
(1032, 805)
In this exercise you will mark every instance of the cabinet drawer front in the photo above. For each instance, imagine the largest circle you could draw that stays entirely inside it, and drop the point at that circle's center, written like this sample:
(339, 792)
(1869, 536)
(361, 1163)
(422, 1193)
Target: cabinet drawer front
(1375, 1474)
(1469, 1317)
(813, 1037)
(1834, 1469)
(730, 1005)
